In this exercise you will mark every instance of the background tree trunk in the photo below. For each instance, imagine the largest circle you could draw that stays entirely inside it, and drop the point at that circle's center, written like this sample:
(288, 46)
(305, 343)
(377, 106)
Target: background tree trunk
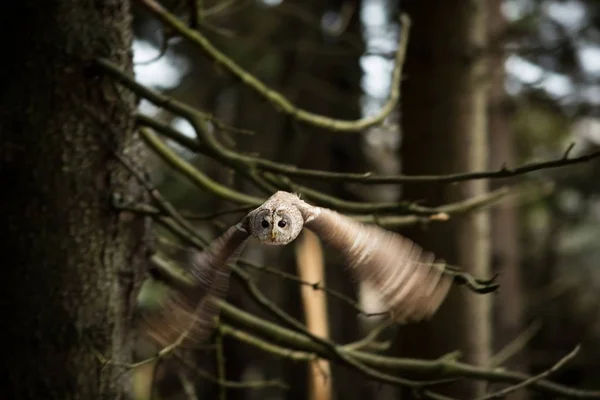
(71, 262)
(445, 130)
(509, 302)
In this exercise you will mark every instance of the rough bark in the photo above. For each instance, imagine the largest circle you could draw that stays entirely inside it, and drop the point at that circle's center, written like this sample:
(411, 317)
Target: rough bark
(445, 130)
(71, 262)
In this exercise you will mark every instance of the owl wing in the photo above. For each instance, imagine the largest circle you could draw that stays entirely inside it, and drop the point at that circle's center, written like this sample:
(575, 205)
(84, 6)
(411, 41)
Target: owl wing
(399, 270)
(190, 310)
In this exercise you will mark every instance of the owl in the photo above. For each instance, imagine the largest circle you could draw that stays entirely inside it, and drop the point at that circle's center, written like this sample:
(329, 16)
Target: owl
(406, 278)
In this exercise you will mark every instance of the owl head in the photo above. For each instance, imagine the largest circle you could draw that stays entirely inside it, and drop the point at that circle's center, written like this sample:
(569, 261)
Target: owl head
(275, 222)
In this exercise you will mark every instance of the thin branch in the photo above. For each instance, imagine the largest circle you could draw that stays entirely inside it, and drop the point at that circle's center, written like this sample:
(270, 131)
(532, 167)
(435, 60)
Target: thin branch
(206, 183)
(368, 177)
(370, 337)
(242, 164)
(193, 115)
(189, 233)
(218, 8)
(473, 284)
(197, 177)
(433, 213)
(277, 99)
(147, 209)
(314, 285)
(213, 148)
(187, 385)
(340, 356)
(532, 380)
(352, 206)
(445, 211)
(210, 147)
(331, 350)
(183, 229)
(160, 355)
(226, 193)
(264, 345)
(335, 352)
(231, 384)
(443, 367)
(247, 165)
(516, 345)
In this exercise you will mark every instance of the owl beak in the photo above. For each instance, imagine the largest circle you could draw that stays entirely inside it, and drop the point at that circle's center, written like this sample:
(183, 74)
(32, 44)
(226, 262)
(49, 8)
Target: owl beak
(273, 234)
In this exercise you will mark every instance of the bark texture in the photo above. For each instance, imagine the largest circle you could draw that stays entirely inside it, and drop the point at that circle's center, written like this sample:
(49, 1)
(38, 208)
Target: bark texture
(71, 262)
(445, 130)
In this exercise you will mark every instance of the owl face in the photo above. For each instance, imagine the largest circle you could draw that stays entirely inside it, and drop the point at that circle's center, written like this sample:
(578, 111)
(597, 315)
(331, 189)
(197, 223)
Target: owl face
(276, 225)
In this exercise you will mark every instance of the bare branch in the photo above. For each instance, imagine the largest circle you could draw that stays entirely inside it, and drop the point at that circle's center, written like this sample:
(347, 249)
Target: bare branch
(516, 345)
(277, 99)
(204, 182)
(264, 345)
(443, 367)
(368, 177)
(532, 380)
(194, 174)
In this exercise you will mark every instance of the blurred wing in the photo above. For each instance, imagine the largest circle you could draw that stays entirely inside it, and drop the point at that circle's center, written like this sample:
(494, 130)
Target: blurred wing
(404, 275)
(190, 311)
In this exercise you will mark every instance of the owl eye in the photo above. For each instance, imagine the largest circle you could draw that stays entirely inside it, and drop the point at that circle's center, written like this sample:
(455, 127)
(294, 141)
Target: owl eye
(282, 224)
(265, 223)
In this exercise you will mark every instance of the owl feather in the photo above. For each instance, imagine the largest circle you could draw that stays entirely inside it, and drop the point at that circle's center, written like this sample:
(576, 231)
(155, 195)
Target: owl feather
(189, 313)
(407, 278)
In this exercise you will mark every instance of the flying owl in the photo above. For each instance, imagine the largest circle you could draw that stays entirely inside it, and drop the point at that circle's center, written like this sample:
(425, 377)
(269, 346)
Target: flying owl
(404, 276)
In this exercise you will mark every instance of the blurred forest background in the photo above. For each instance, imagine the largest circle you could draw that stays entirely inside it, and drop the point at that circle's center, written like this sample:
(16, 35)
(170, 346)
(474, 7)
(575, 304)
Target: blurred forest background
(336, 58)
(486, 85)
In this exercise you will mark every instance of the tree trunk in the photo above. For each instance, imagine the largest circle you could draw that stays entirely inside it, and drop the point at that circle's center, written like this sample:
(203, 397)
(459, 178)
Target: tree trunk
(445, 131)
(71, 262)
(509, 302)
